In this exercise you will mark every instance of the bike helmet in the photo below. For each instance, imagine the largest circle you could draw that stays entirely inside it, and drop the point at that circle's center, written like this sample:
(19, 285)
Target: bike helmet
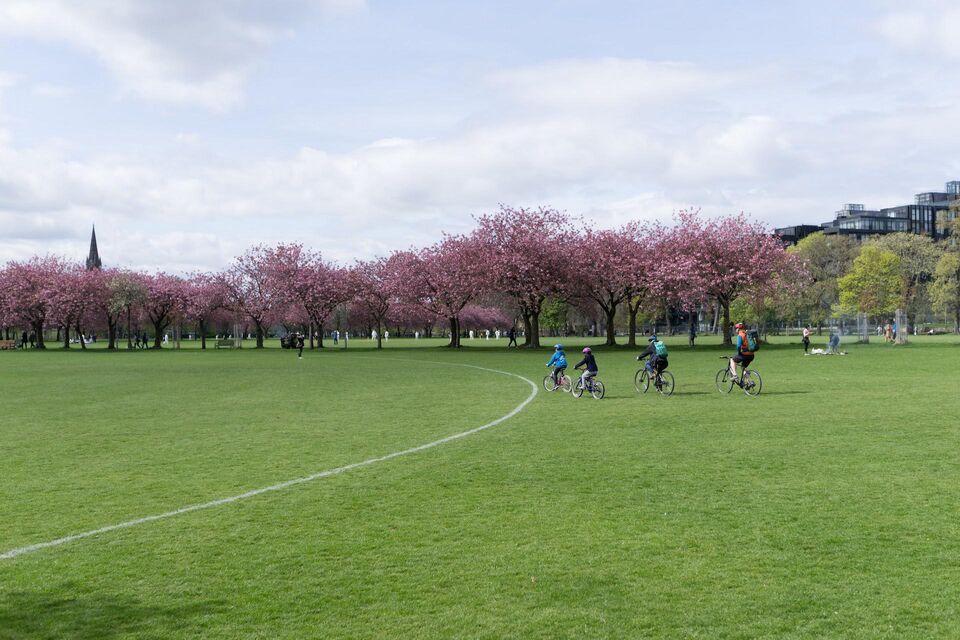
(739, 325)
(558, 347)
(652, 338)
(587, 350)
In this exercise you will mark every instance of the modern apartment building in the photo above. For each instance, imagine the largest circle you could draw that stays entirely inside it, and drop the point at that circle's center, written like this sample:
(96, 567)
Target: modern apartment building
(926, 216)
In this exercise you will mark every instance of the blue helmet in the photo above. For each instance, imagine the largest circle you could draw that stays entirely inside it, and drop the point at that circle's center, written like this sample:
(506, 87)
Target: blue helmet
(652, 338)
(558, 347)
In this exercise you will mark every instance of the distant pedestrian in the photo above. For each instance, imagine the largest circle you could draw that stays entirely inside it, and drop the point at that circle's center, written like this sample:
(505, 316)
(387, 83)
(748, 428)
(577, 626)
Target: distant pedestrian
(386, 335)
(33, 340)
(806, 339)
(23, 340)
(693, 334)
(512, 334)
(336, 337)
(888, 332)
(300, 346)
(497, 333)
(145, 340)
(894, 329)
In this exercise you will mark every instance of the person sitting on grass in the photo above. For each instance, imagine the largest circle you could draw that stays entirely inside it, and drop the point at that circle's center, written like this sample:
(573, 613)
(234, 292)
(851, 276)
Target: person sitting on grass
(589, 364)
(558, 362)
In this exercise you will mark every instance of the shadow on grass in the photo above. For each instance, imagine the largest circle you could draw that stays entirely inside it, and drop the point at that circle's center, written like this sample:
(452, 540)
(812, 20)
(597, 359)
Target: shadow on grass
(784, 393)
(72, 611)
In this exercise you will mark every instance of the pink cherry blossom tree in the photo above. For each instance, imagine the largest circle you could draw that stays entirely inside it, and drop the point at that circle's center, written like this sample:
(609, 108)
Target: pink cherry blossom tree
(166, 300)
(375, 284)
(71, 294)
(726, 257)
(528, 259)
(445, 277)
(30, 291)
(204, 296)
(249, 290)
(303, 278)
(615, 274)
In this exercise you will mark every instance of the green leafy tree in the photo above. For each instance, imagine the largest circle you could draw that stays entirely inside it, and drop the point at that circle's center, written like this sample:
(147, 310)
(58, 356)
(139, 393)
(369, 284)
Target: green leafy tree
(826, 259)
(873, 284)
(945, 290)
(553, 314)
(918, 259)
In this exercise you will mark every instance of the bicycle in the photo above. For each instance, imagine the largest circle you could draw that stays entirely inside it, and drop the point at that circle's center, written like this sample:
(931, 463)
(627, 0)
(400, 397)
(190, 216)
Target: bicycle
(594, 386)
(563, 382)
(750, 381)
(662, 382)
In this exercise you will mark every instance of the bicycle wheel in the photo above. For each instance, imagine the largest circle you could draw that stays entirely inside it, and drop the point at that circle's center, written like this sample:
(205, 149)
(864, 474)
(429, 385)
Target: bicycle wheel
(724, 381)
(577, 390)
(752, 383)
(641, 381)
(549, 384)
(666, 383)
(566, 384)
(597, 391)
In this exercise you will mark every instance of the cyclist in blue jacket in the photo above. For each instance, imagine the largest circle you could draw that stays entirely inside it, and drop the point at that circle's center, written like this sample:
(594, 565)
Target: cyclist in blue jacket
(558, 362)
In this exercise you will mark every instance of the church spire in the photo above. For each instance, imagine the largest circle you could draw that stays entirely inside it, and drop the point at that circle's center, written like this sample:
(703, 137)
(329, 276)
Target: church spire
(93, 260)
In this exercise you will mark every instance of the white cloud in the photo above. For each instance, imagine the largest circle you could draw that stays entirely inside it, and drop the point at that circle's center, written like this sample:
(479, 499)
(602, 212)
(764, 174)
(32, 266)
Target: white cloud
(197, 52)
(927, 27)
(789, 149)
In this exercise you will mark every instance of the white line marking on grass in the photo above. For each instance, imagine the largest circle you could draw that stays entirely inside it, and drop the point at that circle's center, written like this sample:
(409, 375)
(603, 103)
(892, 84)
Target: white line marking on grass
(13, 553)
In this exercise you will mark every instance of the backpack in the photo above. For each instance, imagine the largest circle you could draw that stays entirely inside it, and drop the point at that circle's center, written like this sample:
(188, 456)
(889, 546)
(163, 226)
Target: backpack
(661, 348)
(753, 340)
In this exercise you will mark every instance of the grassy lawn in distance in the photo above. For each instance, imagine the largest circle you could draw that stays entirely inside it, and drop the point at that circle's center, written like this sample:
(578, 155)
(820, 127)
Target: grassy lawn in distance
(826, 507)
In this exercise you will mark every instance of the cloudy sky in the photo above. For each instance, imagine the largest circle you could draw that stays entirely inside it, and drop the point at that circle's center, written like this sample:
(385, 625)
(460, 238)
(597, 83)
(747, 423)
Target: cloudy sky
(189, 130)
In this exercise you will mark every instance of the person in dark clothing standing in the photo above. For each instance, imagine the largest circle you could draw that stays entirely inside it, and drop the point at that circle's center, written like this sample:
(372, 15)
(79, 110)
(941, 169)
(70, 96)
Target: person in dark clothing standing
(513, 337)
(589, 364)
(300, 345)
(23, 340)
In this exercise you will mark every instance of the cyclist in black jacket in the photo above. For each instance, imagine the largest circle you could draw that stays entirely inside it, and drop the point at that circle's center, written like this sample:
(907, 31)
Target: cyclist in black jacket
(589, 363)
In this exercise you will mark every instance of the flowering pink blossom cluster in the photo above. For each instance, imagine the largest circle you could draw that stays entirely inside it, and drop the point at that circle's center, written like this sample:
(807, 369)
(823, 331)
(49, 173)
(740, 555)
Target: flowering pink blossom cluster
(506, 269)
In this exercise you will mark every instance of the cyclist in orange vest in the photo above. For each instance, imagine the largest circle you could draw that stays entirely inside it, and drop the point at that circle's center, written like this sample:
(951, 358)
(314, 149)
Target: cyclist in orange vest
(744, 356)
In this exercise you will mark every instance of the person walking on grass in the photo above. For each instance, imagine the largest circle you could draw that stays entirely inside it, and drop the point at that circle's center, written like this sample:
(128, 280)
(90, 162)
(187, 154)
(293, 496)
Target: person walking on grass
(513, 337)
(300, 346)
(806, 339)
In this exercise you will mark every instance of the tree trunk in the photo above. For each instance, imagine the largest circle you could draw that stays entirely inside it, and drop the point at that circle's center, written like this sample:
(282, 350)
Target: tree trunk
(203, 334)
(668, 319)
(726, 323)
(38, 330)
(379, 335)
(83, 343)
(129, 329)
(534, 330)
(157, 329)
(259, 335)
(66, 336)
(320, 332)
(454, 333)
(111, 335)
(610, 313)
(527, 328)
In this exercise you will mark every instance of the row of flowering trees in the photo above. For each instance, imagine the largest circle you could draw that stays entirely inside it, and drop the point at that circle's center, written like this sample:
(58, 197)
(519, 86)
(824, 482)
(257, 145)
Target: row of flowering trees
(509, 266)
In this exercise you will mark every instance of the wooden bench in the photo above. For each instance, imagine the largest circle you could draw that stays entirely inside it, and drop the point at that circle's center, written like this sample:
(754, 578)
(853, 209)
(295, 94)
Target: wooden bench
(224, 344)
(8, 344)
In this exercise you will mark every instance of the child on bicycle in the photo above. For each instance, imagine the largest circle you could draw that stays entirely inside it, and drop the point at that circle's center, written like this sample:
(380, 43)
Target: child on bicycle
(589, 364)
(656, 352)
(558, 362)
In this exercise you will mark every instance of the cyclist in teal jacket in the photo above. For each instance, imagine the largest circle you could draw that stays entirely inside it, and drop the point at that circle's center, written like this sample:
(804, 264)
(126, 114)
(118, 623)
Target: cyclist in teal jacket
(559, 362)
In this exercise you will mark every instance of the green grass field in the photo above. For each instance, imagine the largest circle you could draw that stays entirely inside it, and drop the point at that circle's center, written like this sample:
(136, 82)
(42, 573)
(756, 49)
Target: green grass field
(829, 506)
